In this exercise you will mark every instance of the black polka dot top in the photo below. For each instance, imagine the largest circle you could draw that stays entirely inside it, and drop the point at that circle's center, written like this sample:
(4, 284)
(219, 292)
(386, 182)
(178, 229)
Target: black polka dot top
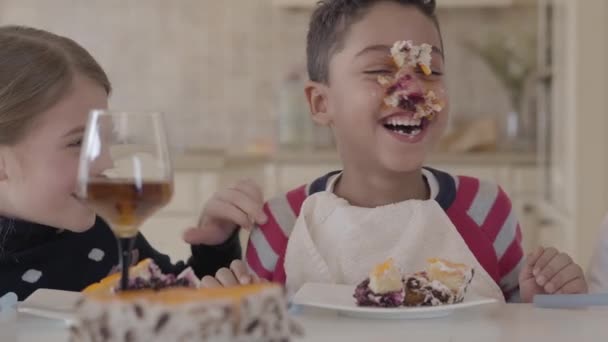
(34, 256)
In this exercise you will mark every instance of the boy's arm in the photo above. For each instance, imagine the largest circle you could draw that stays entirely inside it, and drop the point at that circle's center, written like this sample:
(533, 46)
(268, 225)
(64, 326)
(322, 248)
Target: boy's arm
(267, 243)
(266, 248)
(506, 240)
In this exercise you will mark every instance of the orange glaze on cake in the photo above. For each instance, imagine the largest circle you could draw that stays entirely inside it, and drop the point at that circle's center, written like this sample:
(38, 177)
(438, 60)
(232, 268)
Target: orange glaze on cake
(176, 296)
(454, 268)
(110, 282)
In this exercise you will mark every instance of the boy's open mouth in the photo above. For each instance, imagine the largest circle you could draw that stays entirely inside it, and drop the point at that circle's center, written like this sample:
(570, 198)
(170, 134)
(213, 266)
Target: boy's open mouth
(404, 125)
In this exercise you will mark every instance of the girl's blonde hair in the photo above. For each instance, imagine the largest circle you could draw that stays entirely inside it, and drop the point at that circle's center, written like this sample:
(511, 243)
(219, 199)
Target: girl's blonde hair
(36, 70)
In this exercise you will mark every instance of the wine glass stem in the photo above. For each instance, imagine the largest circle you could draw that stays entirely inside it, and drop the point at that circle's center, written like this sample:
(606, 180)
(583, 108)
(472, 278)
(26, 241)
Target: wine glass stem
(125, 246)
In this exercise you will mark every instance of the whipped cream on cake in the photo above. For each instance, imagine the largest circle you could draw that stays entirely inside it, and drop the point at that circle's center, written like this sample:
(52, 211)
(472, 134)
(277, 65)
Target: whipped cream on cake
(402, 91)
(385, 278)
(383, 287)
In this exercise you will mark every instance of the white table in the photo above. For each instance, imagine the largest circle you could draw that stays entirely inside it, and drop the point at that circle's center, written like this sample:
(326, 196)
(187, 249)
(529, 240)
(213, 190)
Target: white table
(509, 323)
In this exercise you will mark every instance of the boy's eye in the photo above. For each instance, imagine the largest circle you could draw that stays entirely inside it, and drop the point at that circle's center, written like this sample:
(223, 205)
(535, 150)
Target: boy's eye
(76, 143)
(433, 72)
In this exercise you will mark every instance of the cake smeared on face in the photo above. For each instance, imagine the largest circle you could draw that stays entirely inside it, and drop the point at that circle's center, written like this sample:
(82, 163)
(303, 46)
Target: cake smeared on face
(402, 90)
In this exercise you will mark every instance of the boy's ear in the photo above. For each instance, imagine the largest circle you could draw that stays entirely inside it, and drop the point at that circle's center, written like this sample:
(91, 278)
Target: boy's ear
(316, 95)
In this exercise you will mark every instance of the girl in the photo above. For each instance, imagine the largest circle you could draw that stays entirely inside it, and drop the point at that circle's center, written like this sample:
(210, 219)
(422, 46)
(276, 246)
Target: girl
(48, 237)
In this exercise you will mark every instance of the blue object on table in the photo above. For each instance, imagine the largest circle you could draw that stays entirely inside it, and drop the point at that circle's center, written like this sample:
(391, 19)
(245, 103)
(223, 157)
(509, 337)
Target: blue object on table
(294, 309)
(8, 301)
(570, 301)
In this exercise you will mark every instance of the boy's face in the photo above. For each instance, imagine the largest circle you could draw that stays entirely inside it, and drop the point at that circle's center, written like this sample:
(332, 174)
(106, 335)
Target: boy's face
(353, 101)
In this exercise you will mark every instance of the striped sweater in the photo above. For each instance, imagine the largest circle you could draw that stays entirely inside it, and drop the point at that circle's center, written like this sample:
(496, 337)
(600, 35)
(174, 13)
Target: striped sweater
(481, 212)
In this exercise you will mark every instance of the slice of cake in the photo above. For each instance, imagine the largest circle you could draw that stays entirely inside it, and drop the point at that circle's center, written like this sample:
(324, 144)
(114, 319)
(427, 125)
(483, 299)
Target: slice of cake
(454, 276)
(383, 288)
(179, 313)
(443, 282)
(421, 291)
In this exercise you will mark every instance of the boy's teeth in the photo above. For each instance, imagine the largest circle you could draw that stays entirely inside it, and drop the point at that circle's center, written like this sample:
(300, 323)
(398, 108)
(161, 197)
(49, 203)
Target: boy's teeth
(411, 134)
(404, 121)
(400, 121)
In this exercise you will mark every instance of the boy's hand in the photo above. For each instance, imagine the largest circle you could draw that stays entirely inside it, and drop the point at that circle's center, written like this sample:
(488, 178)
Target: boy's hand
(228, 209)
(547, 271)
(237, 274)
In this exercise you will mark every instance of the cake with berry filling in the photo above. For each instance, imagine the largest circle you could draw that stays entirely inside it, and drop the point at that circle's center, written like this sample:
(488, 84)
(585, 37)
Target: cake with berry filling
(456, 277)
(443, 282)
(402, 91)
(421, 291)
(180, 312)
(383, 287)
(146, 275)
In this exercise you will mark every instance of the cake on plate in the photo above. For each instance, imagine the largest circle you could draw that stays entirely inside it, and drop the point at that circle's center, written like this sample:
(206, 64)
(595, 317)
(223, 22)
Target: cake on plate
(383, 287)
(174, 311)
(443, 282)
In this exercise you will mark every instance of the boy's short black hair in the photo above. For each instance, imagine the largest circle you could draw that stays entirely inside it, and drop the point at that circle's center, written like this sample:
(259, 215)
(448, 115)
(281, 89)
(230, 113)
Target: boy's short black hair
(330, 23)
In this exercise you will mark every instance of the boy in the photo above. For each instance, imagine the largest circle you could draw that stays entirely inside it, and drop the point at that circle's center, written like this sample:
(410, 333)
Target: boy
(382, 149)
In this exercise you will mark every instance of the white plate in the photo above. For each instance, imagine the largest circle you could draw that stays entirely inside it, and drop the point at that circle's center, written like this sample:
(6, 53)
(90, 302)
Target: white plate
(53, 304)
(340, 298)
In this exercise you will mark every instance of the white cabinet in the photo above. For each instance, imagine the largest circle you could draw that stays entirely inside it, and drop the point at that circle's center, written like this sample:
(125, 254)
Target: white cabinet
(577, 187)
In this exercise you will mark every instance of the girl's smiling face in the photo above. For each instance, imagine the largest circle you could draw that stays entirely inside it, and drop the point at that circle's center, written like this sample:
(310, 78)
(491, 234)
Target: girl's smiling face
(40, 170)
